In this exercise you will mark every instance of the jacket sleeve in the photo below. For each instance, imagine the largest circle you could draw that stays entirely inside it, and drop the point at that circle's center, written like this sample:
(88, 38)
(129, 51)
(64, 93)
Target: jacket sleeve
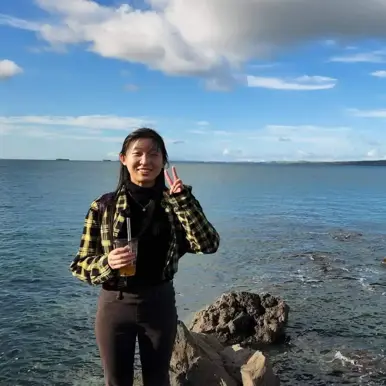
(201, 236)
(89, 264)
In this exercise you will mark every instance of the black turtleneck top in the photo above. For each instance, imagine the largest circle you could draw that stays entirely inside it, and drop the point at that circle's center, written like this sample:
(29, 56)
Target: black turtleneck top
(153, 242)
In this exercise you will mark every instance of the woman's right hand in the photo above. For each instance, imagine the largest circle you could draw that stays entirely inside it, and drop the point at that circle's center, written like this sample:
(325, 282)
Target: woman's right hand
(120, 257)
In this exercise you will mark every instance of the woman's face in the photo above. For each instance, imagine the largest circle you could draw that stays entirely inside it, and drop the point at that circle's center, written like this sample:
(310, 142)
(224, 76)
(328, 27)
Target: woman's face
(144, 162)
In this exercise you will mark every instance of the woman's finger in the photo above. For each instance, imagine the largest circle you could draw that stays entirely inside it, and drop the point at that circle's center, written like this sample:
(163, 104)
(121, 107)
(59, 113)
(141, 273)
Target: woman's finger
(120, 250)
(124, 260)
(174, 171)
(168, 179)
(122, 253)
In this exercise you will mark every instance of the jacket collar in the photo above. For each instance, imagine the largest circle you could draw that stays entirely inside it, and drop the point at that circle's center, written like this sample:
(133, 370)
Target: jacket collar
(122, 204)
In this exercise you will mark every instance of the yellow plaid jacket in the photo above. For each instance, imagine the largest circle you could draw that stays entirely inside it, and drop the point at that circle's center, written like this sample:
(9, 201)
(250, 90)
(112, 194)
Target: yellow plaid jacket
(191, 232)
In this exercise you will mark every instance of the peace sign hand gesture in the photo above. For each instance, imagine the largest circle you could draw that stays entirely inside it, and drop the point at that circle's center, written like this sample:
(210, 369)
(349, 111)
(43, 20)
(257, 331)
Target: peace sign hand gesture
(175, 183)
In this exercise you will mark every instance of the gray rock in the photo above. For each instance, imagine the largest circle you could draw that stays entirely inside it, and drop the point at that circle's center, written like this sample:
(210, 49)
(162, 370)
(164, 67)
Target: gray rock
(346, 236)
(243, 317)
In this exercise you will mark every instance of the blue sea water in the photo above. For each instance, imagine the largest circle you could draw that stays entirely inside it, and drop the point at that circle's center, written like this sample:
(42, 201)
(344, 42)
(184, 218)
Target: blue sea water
(282, 231)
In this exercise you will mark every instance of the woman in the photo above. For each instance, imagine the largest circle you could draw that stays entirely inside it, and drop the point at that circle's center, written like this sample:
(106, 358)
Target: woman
(167, 224)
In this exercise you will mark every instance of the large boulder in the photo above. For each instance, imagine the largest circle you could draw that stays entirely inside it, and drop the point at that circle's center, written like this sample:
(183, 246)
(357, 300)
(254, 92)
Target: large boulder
(258, 372)
(196, 361)
(201, 360)
(245, 318)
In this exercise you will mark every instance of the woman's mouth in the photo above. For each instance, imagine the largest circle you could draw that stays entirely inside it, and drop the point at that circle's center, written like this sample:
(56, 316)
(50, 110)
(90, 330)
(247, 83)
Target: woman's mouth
(144, 171)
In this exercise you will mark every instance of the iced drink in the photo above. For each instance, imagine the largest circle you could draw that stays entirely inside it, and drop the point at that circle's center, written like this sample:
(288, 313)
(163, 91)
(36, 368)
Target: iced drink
(128, 270)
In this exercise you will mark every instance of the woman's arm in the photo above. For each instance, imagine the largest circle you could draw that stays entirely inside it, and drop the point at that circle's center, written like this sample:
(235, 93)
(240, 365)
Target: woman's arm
(89, 264)
(201, 235)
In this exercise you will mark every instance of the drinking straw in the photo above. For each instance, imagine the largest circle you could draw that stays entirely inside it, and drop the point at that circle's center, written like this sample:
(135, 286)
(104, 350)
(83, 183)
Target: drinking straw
(128, 229)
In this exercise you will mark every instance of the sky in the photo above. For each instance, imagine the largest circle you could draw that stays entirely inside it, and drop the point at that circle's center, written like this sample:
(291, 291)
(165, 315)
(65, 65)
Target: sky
(221, 80)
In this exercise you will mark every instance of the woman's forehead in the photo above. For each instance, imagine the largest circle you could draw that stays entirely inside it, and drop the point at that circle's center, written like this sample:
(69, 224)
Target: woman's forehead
(145, 144)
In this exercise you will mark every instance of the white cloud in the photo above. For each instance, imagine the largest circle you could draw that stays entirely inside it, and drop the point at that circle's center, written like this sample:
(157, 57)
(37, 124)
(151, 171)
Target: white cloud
(378, 113)
(8, 69)
(288, 143)
(271, 142)
(373, 153)
(100, 128)
(303, 83)
(203, 123)
(201, 37)
(362, 57)
(19, 23)
(307, 142)
(49, 133)
(114, 155)
(99, 122)
(199, 132)
(379, 74)
(309, 134)
(304, 128)
(304, 142)
(227, 152)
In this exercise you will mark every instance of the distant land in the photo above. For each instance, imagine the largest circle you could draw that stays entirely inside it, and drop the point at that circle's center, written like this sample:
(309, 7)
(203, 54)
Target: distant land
(358, 163)
(353, 163)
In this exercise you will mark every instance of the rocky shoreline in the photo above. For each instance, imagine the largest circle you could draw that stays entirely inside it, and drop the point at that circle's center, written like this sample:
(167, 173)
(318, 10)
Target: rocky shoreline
(221, 346)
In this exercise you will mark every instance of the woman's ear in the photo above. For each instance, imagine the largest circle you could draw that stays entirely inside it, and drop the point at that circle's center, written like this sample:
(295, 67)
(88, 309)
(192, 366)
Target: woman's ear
(122, 158)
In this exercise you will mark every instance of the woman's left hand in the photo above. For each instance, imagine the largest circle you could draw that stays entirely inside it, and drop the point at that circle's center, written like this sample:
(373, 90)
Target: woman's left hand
(175, 183)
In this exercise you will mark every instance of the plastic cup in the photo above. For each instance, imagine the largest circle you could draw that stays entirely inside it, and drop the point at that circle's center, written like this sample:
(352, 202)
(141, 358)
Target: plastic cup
(130, 269)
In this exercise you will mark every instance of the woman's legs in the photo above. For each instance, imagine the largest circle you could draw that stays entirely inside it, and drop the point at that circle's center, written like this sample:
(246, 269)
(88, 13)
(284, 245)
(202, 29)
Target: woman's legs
(147, 311)
(116, 332)
(157, 325)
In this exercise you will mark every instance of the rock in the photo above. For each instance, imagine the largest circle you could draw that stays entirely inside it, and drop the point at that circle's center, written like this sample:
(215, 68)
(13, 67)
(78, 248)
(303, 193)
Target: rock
(233, 358)
(346, 236)
(244, 318)
(258, 372)
(201, 360)
(196, 361)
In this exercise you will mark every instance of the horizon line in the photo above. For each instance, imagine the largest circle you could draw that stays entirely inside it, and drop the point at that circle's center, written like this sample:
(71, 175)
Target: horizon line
(204, 161)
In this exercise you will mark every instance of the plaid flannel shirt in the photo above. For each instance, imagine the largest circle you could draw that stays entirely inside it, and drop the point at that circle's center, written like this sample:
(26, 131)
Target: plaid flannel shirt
(191, 232)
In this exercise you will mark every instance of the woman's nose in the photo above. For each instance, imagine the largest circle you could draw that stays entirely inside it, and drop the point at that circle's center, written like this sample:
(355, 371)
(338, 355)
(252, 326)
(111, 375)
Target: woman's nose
(144, 159)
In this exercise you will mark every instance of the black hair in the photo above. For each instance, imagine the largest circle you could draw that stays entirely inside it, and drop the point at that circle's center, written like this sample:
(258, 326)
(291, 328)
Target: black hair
(141, 133)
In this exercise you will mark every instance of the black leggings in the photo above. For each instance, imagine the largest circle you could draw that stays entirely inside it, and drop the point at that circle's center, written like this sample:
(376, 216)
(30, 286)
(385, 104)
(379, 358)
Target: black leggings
(147, 312)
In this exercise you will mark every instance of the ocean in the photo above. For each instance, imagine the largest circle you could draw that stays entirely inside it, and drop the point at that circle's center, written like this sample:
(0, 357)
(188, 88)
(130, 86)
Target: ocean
(314, 235)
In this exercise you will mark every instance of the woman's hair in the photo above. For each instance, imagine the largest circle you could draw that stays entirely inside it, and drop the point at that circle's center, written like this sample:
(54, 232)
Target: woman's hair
(142, 133)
